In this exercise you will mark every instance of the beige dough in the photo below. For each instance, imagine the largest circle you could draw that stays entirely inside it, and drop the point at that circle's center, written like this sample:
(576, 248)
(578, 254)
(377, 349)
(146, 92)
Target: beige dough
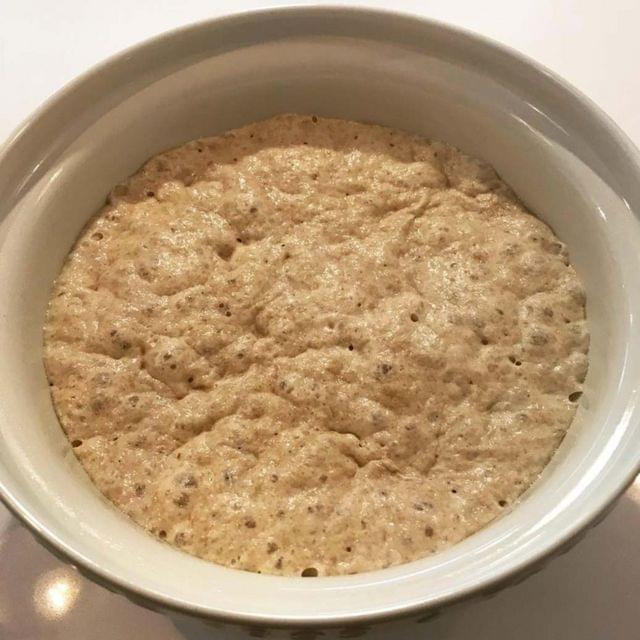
(315, 346)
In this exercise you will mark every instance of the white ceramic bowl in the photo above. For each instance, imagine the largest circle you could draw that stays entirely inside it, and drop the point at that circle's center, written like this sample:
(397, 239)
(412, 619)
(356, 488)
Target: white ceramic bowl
(564, 158)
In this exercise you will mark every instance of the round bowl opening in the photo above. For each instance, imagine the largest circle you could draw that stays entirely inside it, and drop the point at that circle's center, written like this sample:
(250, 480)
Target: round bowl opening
(563, 158)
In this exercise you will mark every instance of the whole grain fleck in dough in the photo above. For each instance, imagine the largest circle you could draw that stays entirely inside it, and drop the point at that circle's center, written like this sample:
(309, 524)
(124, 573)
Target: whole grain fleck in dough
(312, 346)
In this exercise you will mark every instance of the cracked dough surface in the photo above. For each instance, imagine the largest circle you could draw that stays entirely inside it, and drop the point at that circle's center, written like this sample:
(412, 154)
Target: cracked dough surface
(312, 344)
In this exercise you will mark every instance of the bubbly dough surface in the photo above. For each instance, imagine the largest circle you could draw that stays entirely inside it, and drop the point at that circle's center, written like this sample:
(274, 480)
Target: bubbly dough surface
(312, 345)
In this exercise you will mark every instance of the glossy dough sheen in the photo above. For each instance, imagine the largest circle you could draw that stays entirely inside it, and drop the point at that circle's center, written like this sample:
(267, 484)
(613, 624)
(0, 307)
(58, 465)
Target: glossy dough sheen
(312, 345)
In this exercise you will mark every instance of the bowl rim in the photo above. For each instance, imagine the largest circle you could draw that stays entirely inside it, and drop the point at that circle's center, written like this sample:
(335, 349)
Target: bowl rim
(149, 597)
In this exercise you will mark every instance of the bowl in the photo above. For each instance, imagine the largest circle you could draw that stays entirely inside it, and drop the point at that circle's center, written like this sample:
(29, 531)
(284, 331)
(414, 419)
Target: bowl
(565, 159)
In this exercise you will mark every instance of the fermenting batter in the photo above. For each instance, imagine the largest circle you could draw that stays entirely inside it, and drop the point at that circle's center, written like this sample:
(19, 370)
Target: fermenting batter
(312, 346)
